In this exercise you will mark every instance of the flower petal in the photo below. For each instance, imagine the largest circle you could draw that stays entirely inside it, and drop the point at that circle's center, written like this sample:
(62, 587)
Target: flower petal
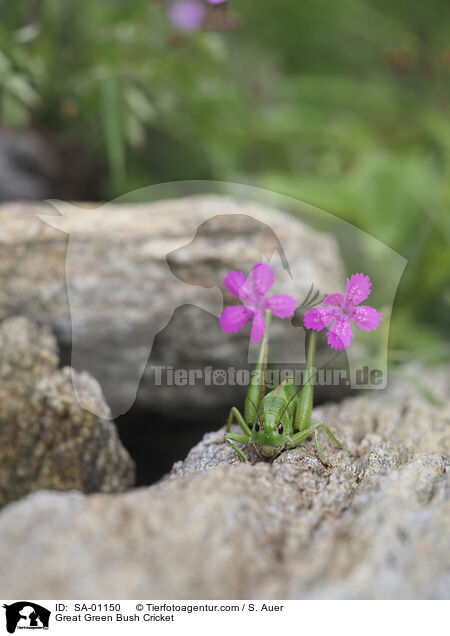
(340, 334)
(335, 300)
(366, 317)
(258, 326)
(262, 279)
(233, 281)
(319, 317)
(247, 295)
(234, 318)
(281, 305)
(358, 288)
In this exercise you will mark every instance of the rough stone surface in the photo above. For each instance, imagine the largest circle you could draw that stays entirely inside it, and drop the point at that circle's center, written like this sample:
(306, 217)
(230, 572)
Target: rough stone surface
(134, 271)
(374, 526)
(46, 439)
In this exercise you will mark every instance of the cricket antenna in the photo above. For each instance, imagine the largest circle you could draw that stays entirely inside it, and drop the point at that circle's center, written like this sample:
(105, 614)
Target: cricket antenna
(255, 407)
(287, 405)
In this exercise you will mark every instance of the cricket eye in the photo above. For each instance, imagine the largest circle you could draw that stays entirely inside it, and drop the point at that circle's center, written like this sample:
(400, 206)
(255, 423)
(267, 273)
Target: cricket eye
(257, 427)
(280, 429)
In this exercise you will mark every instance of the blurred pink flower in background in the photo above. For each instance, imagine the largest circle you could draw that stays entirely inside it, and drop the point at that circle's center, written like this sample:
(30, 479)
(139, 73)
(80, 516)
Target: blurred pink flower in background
(186, 15)
(189, 15)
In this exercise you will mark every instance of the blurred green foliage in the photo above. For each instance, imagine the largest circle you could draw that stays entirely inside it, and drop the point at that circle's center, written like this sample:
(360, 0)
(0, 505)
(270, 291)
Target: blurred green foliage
(344, 105)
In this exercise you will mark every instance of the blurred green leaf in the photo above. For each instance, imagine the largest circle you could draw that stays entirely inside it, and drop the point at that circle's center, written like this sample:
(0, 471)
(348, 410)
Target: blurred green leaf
(15, 114)
(111, 116)
(344, 105)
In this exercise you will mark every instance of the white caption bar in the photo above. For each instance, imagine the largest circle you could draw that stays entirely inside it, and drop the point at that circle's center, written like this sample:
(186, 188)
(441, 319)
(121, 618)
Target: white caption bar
(207, 617)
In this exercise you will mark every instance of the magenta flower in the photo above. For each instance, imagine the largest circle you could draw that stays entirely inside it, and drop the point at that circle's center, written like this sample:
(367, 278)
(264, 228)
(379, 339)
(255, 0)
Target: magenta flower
(337, 310)
(186, 15)
(235, 317)
(189, 15)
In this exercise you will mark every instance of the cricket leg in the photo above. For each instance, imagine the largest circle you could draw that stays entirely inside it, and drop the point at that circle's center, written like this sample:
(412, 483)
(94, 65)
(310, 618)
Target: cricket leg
(237, 437)
(298, 438)
(237, 450)
(317, 442)
(319, 450)
(234, 412)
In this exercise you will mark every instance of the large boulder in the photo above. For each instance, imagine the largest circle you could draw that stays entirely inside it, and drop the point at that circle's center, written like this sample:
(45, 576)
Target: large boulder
(149, 277)
(374, 526)
(46, 439)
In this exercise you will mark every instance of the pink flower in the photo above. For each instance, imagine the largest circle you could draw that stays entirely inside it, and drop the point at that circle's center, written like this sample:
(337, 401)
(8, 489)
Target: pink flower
(189, 15)
(337, 310)
(186, 15)
(235, 317)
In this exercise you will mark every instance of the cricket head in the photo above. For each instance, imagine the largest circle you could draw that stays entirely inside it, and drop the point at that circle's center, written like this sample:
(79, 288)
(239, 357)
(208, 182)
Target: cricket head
(269, 435)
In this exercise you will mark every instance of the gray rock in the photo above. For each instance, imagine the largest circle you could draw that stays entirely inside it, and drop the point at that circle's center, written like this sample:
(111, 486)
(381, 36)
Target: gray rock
(29, 166)
(374, 526)
(139, 271)
(46, 439)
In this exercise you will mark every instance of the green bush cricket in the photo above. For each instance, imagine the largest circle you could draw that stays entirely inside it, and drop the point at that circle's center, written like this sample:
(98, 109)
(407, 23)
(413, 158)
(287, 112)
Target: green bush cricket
(280, 419)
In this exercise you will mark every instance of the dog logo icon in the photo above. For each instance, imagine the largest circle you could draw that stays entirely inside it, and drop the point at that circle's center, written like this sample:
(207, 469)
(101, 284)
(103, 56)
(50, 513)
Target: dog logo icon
(26, 615)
